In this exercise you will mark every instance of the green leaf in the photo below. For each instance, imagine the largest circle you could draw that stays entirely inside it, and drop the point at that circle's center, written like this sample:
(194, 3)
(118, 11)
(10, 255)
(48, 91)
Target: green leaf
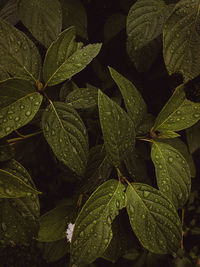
(145, 21)
(153, 218)
(181, 40)
(18, 104)
(118, 129)
(3, 74)
(178, 113)
(66, 88)
(93, 233)
(64, 58)
(172, 173)
(12, 183)
(53, 224)
(134, 102)
(54, 251)
(193, 139)
(82, 98)
(74, 14)
(9, 12)
(66, 134)
(19, 216)
(114, 25)
(168, 134)
(97, 171)
(43, 19)
(179, 145)
(19, 55)
(6, 151)
(146, 124)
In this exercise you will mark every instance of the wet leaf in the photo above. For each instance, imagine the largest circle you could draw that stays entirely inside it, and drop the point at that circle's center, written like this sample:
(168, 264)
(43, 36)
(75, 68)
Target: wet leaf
(179, 145)
(19, 55)
(64, 58)
(181, 40)
(9, 12)
(178, 113)
(153, 218)
(37, 17)
(54, 223)
(12, 183)
(18, 104)
(19, 216)
(66, 88)
(172, 173)
(146, 124)
(145, 21)
(117, 127)
(82, 98)
(93, 233)
(66, 134)
(134, 102)
(74, 14)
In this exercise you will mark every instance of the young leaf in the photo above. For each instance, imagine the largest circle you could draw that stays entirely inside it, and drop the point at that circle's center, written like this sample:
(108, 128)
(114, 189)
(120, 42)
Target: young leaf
(82, 98)
(9, 12)
(53, 224)
(181, 40)
(172, 173)
(145, 21)
(93, 233)
(118, 129)
(74, 14)
(153, 218)
(18, 104)
(19, 55)
(66, 134)
(134, 102)
(64, 58)
(43, 19)
(178, 113)
(12, 184)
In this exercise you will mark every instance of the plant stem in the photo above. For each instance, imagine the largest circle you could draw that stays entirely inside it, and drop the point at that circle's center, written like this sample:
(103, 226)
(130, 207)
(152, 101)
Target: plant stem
(22, 137)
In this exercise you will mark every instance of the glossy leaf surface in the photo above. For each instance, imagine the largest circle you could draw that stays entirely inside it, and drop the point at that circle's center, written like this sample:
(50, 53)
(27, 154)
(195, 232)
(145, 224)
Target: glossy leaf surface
(37, 17)
(117, 127)
(93, 233)
(19, 55)
(18, 104)
(172, 173)
(178, 113)
(134, 102)
(153, 218)
(64, 58)
(13, 181)
(66, 134)
(181, 40)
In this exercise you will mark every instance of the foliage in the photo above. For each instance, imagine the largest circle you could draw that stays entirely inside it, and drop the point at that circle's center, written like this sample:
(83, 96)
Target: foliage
(110, 150)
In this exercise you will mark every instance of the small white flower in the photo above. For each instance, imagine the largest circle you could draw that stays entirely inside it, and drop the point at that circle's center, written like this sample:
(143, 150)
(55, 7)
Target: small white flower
(69, 232)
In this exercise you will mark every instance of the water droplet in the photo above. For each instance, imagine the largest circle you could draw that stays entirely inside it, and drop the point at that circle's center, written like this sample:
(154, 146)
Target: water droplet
(8, 129)
(117, 204)
(109, 220)
(146, 193)
(28, 113)
(106, 241)
(170, 159)
(143, 216)
(196, 115)
(82, 234)
(160, 166)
